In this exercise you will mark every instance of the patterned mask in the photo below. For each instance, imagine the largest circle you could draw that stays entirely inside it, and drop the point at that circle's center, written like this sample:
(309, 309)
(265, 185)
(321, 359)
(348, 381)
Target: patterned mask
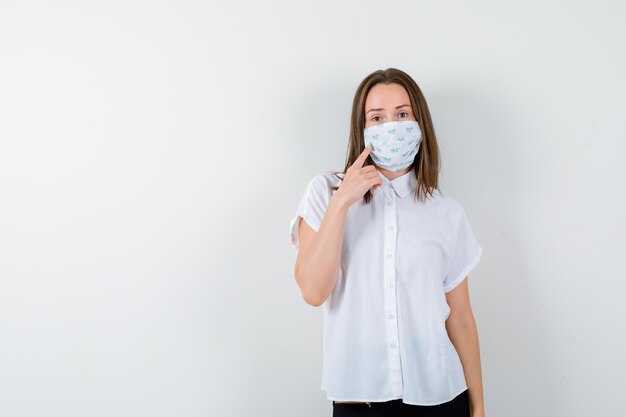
(394, 144)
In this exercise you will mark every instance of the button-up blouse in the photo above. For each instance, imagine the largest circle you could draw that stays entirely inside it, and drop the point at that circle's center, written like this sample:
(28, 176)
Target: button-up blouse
(384, 322)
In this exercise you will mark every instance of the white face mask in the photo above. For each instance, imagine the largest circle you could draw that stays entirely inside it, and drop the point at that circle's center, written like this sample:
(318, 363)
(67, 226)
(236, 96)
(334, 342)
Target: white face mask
(394, 144)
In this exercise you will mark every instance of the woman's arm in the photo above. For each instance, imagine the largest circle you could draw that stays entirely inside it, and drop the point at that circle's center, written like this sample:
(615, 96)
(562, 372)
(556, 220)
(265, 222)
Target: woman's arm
(463, 334)
(319, 253)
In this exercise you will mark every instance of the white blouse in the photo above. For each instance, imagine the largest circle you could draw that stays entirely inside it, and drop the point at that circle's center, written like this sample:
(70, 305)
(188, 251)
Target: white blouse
(384, 323)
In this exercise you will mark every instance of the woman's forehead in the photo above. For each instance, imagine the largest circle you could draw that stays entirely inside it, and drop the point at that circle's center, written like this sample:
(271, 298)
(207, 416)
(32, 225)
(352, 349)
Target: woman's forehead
(386, 96)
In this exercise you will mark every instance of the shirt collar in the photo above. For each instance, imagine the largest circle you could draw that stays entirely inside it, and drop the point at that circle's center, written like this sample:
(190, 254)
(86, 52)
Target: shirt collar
(402, 185)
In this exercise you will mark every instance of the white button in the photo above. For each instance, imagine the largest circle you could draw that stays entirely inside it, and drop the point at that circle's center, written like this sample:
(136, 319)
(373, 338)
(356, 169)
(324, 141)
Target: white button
(389, 256)
(390, 227)
(389, 284)
(392, 344)
(389, 203)
(389, 316)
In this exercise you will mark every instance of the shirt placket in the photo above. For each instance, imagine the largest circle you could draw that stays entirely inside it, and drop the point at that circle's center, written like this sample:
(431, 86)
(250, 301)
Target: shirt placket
(391, 318)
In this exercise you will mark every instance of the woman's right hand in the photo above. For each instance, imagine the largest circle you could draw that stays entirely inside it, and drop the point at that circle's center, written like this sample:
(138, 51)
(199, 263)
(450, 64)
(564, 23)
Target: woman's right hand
(359, 179)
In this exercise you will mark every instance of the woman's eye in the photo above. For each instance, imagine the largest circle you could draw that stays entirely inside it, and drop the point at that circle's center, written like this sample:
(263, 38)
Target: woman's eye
(407, 114)
(374, 118)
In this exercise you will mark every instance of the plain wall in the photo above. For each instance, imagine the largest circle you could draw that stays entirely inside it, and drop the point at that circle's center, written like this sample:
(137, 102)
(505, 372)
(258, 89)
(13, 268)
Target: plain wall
(153, 153)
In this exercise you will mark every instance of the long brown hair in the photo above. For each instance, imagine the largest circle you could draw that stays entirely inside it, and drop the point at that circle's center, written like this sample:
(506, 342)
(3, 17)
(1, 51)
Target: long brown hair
(428, 160)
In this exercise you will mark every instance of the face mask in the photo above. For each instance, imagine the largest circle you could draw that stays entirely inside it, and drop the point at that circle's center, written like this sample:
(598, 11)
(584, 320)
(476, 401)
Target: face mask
(394, 144)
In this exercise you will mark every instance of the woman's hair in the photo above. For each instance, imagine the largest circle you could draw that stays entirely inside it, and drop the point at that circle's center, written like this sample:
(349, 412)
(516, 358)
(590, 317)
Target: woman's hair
(427, 161)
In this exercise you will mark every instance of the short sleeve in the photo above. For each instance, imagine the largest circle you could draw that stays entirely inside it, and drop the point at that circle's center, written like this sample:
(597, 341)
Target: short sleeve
(311, 207)
(466, 251)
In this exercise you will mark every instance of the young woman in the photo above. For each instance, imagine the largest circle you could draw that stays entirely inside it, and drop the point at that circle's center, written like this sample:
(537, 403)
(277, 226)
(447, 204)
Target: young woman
(387, 255)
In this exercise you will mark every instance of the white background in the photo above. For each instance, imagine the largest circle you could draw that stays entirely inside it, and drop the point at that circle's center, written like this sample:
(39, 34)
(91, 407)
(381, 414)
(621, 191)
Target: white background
(152, 154)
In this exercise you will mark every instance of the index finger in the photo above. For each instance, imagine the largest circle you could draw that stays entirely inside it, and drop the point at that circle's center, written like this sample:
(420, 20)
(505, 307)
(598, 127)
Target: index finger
(358, 163)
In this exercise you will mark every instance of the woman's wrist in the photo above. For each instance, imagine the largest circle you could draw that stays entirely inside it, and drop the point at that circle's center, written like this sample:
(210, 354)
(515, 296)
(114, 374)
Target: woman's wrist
(339, 201)
(478, 412)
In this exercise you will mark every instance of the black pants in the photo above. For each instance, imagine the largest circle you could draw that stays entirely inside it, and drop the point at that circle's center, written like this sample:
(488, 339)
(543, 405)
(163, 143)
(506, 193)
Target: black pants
(457, 407)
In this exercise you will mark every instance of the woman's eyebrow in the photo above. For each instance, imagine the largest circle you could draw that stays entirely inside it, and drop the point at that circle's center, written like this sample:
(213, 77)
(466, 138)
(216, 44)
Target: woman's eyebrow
(402, 105)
